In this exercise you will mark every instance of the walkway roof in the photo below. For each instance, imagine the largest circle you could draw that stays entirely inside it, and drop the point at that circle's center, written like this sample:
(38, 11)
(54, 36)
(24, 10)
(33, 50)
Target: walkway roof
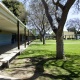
(8, 21)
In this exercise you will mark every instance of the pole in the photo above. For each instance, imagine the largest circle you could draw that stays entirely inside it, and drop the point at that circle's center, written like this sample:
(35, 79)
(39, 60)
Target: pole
(25, 37)
(28, 37)
(18, 35)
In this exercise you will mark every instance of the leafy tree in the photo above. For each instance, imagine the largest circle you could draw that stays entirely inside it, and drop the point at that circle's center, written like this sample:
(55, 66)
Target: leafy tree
(17, 8)
(73, 25)
(61, 11)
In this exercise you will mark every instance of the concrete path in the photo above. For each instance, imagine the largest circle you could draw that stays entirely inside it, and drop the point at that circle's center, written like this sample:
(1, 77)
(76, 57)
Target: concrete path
(7, 78)
(9, 52)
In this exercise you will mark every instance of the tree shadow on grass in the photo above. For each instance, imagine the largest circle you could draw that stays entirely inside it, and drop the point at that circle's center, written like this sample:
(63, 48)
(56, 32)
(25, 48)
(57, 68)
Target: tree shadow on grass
(49, 68)
(68, 69)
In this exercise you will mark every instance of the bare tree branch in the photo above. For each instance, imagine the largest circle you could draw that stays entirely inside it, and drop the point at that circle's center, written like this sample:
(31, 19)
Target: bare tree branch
(58, 4)
(49, 16)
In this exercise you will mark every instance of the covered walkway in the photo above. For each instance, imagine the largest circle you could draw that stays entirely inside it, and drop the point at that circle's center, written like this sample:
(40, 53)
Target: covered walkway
(11, 47)
(10, 24)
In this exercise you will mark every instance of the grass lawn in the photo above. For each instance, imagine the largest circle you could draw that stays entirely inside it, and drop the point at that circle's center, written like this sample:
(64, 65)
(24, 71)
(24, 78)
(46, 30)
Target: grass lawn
(43, 57)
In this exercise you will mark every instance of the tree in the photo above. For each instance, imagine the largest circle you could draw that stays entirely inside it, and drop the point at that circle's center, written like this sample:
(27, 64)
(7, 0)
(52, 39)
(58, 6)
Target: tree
(73, 25)
(40, 25)
(38, 19)
(17, 8)
(62, 6)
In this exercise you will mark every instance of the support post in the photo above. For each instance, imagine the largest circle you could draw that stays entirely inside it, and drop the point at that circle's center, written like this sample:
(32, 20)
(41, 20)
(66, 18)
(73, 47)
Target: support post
(28, 37)
(18, 35)
(25, 37)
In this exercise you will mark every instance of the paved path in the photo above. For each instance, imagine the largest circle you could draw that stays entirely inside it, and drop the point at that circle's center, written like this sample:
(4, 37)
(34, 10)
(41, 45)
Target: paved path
(7, 78)
(8, 52)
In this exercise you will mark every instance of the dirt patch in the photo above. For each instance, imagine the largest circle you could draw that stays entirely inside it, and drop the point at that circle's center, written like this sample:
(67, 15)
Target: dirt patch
(19, 68)
(27, 69)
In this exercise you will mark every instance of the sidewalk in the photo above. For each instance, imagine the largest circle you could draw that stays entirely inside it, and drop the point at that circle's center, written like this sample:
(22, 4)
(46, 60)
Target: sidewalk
(7, 78)
(8, 53)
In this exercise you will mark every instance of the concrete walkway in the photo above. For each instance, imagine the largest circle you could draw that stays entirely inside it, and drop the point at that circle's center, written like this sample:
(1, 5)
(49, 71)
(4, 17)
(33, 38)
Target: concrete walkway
(7, 78)
(8, 53)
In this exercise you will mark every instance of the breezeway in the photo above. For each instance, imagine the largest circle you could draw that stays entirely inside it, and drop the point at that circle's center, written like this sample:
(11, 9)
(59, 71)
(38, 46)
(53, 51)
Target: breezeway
(12, 32)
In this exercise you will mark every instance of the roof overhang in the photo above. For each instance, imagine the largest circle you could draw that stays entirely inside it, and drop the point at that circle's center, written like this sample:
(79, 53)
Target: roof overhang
(8, 21)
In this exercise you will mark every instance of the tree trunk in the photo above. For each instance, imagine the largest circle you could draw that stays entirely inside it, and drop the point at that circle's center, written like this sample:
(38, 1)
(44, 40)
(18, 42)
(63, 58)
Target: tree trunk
(43, 34)
(76, 34)
(59, 47)
(43, 39)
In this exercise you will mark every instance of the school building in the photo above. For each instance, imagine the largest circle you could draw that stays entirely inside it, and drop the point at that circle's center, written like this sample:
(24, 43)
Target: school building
(12, 30)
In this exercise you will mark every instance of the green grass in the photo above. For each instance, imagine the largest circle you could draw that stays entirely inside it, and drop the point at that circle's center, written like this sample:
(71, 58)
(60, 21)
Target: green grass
(40, 50)
(43, 57)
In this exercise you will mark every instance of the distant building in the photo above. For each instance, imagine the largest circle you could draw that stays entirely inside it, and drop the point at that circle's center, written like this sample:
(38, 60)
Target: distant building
(68, 35)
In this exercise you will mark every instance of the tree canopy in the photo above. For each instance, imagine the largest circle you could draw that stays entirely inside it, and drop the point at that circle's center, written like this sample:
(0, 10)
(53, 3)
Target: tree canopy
(17, 8)
(73, 24)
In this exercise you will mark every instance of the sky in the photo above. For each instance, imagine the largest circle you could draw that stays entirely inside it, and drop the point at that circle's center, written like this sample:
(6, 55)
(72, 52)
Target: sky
(70, 14)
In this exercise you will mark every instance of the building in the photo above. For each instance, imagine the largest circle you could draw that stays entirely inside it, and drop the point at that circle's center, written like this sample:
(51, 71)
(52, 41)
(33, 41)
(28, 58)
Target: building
(68, 35)
(11, 28)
